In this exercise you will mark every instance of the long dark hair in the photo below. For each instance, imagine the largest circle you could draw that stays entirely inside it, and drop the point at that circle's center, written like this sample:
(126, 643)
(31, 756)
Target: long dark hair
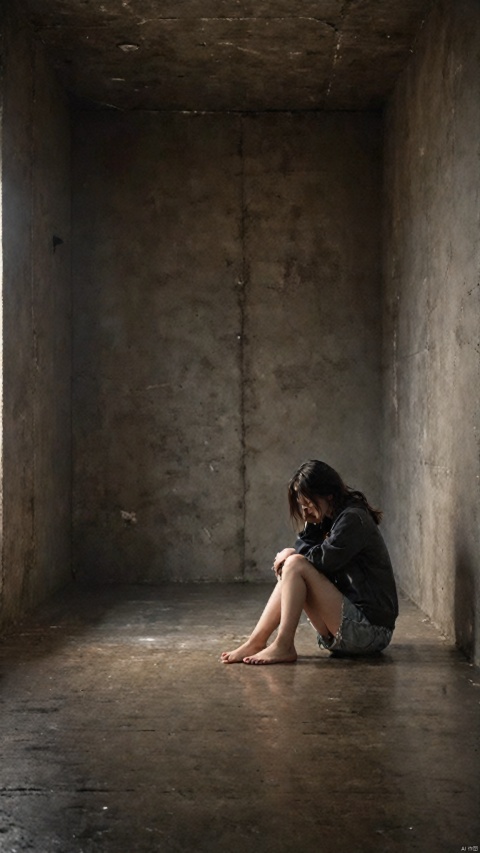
(316, 479)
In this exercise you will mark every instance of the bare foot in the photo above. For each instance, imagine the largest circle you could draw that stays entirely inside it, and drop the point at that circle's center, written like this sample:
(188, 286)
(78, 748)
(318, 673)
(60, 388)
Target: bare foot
(273, 654)
(250, 647)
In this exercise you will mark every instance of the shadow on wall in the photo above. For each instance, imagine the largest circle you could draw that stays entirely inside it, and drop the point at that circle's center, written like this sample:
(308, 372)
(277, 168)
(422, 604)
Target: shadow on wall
(465, 596)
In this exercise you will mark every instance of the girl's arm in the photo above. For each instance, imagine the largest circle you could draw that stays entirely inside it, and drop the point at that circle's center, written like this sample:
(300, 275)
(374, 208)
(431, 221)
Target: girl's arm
(311, 536)
(346, 539)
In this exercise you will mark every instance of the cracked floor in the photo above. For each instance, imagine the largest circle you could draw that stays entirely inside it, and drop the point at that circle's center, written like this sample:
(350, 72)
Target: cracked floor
(123, 733)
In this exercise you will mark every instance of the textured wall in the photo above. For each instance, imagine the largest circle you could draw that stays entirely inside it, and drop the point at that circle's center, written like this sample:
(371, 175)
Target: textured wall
(432, 321)
(227, 326)
(36, 307)
(157, 428)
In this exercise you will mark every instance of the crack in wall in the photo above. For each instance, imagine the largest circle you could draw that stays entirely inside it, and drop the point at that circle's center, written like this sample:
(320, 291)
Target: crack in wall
(336, 51)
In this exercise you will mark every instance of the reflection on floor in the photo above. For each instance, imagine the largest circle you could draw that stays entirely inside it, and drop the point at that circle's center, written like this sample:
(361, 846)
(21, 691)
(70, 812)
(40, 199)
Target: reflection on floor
(123, 733)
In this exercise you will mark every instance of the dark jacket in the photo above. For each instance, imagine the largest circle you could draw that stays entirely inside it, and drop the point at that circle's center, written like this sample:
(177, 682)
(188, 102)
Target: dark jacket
(353, 555)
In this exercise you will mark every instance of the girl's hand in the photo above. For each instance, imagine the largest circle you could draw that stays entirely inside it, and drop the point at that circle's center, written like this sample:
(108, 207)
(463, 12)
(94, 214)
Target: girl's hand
(311, 513)
(280, 559)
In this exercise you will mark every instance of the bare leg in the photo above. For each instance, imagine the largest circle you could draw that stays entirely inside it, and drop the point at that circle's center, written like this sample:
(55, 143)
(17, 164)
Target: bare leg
(266, 625)
(302, 588)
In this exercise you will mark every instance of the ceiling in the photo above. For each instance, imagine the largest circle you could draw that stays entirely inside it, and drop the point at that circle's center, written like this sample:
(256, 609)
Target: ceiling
(229, 54)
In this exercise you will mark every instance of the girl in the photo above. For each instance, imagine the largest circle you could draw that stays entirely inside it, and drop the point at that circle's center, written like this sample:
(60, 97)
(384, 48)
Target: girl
(339, 573)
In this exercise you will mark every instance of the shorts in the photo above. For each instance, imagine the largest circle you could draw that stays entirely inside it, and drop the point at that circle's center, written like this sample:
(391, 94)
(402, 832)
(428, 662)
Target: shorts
(356, 636)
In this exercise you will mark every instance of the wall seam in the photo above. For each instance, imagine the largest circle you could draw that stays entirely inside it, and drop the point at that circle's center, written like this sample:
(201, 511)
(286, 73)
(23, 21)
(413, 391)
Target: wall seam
(2, 92)
(241, 297)
(34, 388)
(72, 179)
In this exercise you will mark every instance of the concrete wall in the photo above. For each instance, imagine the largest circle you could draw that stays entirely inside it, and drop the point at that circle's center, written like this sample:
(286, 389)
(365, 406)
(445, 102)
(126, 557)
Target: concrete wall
(226, 327)
(432, 321)
(36, 308)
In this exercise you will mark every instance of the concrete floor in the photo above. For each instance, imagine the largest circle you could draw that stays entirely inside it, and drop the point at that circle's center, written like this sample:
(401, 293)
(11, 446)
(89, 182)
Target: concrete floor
(123, 733)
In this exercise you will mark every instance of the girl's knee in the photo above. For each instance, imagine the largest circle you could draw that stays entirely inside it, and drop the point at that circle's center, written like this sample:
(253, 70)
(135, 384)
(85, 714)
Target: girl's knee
(294, 563)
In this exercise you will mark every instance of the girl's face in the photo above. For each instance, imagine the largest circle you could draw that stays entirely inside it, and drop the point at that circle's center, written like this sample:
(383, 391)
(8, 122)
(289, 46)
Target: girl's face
(312, 512)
